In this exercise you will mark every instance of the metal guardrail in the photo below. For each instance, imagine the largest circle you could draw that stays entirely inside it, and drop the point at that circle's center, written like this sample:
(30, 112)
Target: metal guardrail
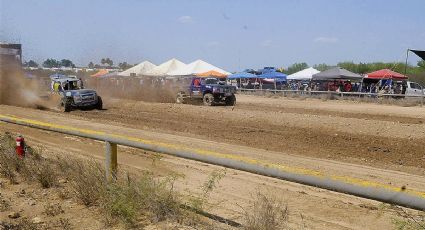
(341, 94)
(400, 197)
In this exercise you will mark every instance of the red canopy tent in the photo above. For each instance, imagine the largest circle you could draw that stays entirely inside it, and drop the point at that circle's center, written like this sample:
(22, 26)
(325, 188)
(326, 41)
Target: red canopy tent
(386, 74)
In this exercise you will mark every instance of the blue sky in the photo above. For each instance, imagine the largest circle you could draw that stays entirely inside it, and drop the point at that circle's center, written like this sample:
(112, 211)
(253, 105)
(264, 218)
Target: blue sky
(233, 35)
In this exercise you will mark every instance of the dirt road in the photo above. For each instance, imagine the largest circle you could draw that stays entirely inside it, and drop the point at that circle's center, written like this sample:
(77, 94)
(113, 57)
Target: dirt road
(383, 136)
(311, 135)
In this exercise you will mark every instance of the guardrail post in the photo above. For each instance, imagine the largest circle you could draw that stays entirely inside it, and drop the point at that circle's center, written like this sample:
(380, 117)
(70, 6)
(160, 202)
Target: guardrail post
(110, 161)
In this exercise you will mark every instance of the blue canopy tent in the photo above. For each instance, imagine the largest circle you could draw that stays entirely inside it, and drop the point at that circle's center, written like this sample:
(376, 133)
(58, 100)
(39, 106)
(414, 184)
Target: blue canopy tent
(276, 76)
(273, 75)
(243, 75)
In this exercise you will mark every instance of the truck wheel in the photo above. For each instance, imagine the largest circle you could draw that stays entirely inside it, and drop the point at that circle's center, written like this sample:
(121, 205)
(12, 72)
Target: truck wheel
(65, 105)
(99, 105)
(208, 99)
(180, 98)
(231, 101)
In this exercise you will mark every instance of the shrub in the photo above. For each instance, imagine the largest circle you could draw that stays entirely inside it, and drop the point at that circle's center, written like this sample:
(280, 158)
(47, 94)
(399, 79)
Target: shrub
(87, 179)
(45, 173)
(266, 213)
(53, 209)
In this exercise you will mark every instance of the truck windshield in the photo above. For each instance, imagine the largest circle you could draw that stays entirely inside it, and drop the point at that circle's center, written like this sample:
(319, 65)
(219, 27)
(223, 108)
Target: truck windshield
(211, 81)
(71, 85)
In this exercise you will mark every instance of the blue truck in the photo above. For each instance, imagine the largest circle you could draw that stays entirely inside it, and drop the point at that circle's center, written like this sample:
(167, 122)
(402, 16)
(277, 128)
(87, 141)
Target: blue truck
(211, 91)
(73, 95)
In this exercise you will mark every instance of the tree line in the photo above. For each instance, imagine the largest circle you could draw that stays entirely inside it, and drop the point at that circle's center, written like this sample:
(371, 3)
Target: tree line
(53, 63)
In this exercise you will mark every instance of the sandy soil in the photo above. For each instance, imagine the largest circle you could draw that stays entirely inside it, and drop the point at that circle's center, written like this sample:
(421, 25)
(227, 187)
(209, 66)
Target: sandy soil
(388, 136)
(375, 142)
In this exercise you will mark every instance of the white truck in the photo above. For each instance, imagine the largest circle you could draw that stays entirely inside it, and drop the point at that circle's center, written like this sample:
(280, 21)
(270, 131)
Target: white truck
(414, 89)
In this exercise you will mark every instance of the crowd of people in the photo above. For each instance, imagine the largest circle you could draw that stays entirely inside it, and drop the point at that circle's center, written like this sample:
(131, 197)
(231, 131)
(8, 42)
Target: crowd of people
(382, 86)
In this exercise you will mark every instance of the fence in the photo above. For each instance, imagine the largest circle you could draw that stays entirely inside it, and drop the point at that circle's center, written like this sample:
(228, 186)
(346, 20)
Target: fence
(400, 197)
(309, 93)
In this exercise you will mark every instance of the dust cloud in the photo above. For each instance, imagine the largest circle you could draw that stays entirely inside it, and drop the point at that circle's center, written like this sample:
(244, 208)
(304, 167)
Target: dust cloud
(146, 89)
(18, 90)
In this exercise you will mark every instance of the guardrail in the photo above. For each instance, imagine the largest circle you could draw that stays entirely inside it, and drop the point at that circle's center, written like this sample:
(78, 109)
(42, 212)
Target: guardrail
(400, 197)
(341, 94)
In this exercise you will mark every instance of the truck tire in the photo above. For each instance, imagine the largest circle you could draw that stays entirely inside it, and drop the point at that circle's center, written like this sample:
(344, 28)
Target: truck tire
(231, 101)
(208, 99)
(66, 105)
(180, 98)
(99, 104)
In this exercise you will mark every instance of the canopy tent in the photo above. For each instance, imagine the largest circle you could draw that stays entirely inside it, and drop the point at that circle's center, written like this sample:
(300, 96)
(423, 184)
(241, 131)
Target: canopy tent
(420, 53)
(336, 73)
(241, 75)
(278, 76)
(166, 67)
(305, 74)
(109, 75)
(140, 69)
(386, 74)
(212, 73)
(100, 73)
(196, 67)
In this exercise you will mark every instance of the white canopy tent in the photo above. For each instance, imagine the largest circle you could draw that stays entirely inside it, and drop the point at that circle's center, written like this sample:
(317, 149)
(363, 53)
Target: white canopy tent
(140, 69)
(196, 67)
(306, 74)
(166, 67)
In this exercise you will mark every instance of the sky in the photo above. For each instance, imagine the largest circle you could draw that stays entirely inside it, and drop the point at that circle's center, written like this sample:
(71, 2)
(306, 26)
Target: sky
(231, 34)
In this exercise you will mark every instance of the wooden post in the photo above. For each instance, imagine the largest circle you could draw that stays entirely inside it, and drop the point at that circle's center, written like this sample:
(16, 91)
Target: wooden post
(110, 161)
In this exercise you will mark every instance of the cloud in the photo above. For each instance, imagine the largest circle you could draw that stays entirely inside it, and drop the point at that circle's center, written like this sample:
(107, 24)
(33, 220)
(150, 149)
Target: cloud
(185, 19)
(266, 43)
(326, 40)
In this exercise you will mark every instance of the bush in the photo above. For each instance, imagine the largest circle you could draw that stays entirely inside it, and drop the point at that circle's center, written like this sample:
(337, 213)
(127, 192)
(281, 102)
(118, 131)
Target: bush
(53, 209)
(87, 179)
(124, 200)
(266, 213)
(7, 169)
(45, 173)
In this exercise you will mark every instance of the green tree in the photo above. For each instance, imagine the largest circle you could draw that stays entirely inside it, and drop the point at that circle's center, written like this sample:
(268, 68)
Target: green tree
(51, 63)
(348, 65)
(124, 65)
(421, 64)
(67, 63)
(90, 65)
(322, 67)
(107, 61)
(31, 63)
(296, 67)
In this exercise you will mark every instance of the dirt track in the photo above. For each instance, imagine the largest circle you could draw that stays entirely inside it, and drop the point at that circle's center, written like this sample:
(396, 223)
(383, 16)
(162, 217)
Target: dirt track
(379, 135)
(290, 132)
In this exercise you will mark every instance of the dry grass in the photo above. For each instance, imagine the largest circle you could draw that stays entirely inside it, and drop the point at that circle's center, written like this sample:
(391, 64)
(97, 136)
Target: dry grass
(133, 202)
(266, 213)
(129, 200)
(53, 209)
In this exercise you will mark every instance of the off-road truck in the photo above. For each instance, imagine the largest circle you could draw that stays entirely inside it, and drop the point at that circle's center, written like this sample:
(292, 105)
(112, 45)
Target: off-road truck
(210, 90)
(73, 95)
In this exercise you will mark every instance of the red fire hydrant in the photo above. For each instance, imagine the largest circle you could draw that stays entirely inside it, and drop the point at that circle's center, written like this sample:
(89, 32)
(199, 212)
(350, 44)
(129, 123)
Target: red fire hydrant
(20, 146)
